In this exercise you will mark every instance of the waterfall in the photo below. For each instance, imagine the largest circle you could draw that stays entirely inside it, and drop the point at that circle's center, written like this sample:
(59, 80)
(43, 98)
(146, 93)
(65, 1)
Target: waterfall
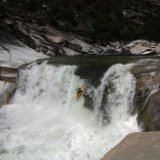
(115, 94)
(44, 121)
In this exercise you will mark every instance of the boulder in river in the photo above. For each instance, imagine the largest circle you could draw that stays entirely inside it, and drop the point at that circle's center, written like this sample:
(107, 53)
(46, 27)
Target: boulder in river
(140, 47)
(150, 116)
(147, 74)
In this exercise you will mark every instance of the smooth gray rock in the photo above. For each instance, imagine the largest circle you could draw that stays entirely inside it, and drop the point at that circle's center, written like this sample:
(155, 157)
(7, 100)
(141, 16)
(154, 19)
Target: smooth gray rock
(15, 56)
(70, 52)
(136, 146)
(141, 47)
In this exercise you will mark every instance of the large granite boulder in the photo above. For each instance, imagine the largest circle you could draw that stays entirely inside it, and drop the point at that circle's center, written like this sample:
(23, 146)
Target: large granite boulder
(141, 47)
(147, 74)
(150, 116)
(136, 146)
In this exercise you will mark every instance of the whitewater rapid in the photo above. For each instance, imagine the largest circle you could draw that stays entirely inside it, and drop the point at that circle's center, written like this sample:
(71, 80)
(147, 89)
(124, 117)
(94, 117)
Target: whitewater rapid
(44, 121)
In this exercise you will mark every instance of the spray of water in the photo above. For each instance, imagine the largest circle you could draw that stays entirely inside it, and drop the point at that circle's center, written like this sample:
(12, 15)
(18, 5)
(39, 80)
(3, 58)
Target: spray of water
(46, 122)
(115, 94)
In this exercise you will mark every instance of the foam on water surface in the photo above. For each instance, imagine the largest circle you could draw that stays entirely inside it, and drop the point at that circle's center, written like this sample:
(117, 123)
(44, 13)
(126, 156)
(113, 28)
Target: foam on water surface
(46, 122)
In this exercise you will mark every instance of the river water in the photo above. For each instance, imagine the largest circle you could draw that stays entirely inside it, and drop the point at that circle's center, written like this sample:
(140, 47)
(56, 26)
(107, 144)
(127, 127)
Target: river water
(44, 120)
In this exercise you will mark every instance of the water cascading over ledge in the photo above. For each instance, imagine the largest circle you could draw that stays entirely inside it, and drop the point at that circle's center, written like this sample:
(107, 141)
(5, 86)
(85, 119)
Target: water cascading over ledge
(45, 121)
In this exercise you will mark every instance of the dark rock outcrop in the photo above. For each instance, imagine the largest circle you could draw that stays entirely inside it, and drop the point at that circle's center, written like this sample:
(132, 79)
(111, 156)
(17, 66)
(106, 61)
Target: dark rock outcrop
(62, 27)
(110, 20)
(136, 146)
(100, 22)
(52, 42)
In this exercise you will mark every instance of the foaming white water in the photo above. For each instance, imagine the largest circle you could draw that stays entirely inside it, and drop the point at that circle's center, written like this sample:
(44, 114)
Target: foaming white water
(45, 122)
(120, 86)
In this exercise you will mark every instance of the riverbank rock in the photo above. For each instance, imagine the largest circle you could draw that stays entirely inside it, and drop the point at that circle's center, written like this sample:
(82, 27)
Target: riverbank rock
(140, 47)
(15, 54)
(136, 146)
(147, 74)
(52, 42)
(106, 28)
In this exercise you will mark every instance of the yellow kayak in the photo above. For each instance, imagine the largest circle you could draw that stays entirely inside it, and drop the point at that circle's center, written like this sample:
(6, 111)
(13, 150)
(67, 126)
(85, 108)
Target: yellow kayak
(79, 94)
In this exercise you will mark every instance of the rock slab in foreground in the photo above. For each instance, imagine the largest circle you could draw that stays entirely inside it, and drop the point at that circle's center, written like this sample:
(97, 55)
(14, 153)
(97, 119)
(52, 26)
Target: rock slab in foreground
(137, 146)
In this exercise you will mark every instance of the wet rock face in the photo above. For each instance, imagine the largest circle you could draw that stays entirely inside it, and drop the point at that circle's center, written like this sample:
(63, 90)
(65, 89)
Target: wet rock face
(151, 113)
(6, 91)
(8, 74)
(8, 82)
(136, 146)
(147, 75)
